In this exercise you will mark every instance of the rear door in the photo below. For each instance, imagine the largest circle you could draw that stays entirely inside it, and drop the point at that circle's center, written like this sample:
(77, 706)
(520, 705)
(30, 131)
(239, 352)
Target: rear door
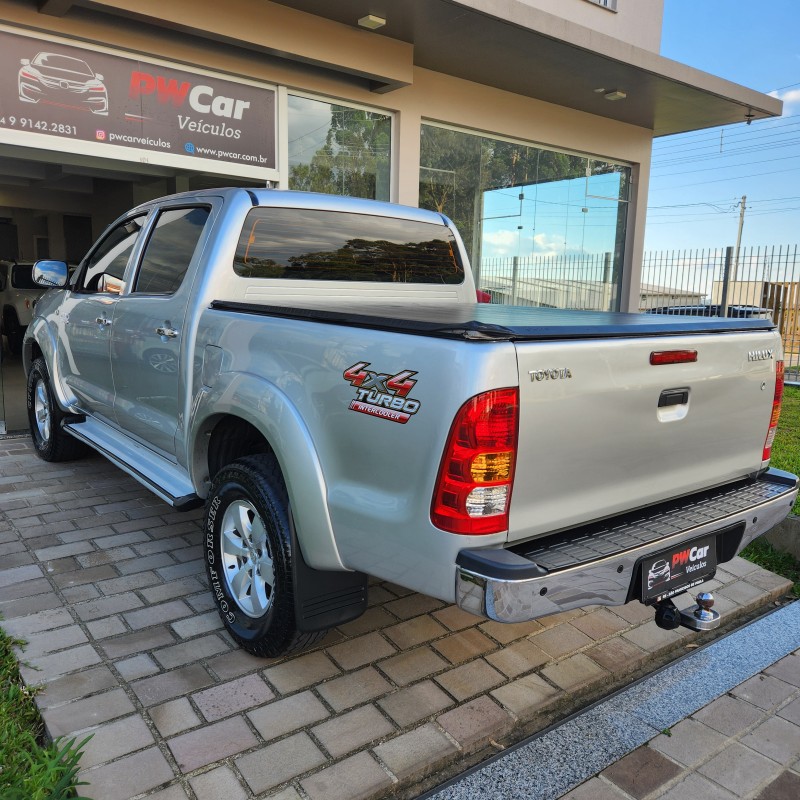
(148, 340)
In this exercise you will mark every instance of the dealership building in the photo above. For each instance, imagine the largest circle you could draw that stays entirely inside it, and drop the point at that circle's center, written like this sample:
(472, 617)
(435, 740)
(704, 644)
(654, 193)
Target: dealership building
(528, 122)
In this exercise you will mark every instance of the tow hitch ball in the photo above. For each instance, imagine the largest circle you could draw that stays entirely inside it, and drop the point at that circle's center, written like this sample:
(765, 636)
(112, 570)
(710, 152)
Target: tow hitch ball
(699, 617)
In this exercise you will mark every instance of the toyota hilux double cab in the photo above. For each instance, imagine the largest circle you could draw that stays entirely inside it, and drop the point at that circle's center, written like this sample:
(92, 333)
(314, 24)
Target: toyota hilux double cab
(341, 406)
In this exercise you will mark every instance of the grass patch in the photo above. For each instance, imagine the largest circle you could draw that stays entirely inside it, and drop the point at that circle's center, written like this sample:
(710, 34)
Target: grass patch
(786, 447)
(761, 552)
(30, 769)
(785, 455)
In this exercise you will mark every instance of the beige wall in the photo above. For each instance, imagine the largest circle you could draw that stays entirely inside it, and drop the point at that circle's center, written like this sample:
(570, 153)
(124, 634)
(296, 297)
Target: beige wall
(637, 22)
(432, 96)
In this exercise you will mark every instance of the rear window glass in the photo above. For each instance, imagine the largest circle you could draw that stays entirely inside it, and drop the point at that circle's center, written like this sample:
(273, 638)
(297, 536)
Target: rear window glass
(315, 245)
(22, 277)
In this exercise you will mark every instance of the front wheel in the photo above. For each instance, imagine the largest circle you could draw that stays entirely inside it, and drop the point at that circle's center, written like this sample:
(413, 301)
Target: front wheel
(51, 442)
(248, 554)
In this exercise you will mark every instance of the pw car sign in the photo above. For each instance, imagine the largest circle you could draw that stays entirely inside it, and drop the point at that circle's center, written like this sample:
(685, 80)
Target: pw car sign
(71, 98)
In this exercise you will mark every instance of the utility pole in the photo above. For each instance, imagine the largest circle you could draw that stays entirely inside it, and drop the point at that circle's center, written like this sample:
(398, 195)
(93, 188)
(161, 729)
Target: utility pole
(743, 204)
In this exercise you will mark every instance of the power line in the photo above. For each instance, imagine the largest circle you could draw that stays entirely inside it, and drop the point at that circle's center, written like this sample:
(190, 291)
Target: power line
(726, 166)
(770, 144)
(722, 180)
(713, 138)
(712, 135)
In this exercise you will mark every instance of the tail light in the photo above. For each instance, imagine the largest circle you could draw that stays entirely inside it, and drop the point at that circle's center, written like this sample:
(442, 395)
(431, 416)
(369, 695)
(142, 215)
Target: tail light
(776, 411)
(473, 490)
(483, 297)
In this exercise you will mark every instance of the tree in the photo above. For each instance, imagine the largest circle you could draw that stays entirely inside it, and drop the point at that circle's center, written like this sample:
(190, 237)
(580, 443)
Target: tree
(353, 161)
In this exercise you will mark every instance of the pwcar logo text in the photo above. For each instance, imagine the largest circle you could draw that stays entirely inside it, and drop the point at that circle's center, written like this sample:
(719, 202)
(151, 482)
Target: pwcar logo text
(201, 98)
(690, 559)
(384, 396)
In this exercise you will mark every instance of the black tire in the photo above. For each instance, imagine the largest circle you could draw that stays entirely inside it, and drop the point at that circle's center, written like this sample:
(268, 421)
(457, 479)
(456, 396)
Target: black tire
(45, 416)
(15, 337)
(248, 555)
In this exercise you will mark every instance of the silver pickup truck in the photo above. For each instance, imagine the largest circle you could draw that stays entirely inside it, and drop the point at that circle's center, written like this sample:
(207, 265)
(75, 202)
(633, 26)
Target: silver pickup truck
(316, 372)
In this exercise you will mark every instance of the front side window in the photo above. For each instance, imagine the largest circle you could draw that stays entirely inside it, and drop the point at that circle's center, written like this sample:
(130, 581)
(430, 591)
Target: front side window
(105, 268)
(336, 149)
(303, 244)
(170, 250)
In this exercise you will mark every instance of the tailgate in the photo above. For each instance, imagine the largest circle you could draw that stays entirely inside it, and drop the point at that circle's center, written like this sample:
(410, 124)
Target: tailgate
(602, 431)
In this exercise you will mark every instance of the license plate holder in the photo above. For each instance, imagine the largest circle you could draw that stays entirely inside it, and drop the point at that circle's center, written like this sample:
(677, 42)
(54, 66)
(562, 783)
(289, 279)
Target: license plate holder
(678, 568)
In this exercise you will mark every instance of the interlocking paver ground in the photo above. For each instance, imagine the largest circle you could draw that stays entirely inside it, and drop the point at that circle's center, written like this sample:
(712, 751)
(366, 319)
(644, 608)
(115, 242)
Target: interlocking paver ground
(108, 584)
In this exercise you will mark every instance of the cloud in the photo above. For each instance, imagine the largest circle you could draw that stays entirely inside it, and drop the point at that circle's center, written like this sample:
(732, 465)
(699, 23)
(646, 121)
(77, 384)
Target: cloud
(500, 244)
(791, 101)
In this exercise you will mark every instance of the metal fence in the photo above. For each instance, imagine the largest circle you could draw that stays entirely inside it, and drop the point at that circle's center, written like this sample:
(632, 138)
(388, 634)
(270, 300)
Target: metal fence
(755, 282)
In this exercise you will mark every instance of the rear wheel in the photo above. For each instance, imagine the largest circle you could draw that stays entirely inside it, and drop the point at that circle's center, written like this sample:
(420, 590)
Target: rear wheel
(248, 553)
(45, 416)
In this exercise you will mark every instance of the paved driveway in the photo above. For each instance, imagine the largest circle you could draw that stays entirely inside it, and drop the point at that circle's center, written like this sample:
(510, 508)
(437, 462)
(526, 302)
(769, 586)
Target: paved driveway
(107, 584)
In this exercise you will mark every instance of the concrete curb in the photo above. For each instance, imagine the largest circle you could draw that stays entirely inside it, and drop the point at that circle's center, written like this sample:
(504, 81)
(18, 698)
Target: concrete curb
(785, 536)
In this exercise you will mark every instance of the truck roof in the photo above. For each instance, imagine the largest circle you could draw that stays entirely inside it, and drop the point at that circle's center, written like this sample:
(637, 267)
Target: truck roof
(282, 198)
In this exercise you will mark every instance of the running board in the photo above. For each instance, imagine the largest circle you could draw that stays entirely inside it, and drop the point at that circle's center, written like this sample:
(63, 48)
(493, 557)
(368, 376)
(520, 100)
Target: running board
(162, 477)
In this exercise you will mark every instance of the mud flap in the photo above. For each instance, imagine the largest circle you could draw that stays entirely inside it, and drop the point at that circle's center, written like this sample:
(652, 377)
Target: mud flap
(325, 598)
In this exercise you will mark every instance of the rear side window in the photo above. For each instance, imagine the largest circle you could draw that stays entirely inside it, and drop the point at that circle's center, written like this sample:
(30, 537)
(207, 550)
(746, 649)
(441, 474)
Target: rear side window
(300, 244)
(170, 249)
(22, 277)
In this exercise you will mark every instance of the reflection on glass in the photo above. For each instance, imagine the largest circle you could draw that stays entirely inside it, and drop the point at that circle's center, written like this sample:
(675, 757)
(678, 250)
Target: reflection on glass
(170, 249)
(304, 244)
(111, 254)
(44, 273)
(338, 150)
(542, 227)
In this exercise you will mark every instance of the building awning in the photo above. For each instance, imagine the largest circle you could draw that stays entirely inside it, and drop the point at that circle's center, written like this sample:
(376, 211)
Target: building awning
(539, 55)
(525, 51)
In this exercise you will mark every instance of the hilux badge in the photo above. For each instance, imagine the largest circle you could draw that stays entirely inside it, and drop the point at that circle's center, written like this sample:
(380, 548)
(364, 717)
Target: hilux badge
(760, 355)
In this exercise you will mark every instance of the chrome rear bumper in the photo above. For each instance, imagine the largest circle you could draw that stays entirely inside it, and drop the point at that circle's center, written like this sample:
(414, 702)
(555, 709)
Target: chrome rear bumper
(597, 565)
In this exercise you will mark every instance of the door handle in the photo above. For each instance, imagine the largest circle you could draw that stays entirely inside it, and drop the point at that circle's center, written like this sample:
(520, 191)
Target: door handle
(103, 321)
(170, 333)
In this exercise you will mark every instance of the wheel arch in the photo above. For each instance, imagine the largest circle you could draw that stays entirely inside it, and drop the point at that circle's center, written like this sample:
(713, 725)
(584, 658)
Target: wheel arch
(263, 420)
(40, 342)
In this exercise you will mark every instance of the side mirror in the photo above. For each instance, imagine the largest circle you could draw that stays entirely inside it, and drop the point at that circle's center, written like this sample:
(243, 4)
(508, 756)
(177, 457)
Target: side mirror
(50, 273)
(99, 77)
(25, 62)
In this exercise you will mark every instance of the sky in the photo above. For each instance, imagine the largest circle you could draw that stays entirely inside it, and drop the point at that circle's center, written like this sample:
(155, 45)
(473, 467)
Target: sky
(698, 179)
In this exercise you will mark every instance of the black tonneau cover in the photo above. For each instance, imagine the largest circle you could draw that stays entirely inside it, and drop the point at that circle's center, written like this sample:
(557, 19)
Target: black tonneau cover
(488, 322)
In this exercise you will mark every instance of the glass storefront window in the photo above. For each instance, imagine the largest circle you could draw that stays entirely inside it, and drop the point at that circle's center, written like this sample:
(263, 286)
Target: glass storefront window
(542, 227)
(338, 149)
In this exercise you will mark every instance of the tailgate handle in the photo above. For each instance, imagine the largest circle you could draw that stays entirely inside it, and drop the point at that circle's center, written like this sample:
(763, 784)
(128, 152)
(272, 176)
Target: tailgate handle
(673, 397)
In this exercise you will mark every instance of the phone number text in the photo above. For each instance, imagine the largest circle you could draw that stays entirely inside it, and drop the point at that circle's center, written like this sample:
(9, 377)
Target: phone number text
(38, 125)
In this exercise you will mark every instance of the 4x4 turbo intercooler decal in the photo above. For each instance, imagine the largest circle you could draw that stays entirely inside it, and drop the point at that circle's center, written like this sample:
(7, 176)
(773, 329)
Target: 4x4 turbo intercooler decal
(104, 104)
(384, 396)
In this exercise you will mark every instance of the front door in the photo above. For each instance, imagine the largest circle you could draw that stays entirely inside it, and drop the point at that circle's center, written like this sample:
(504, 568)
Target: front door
(149, 340)
(84, 320)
